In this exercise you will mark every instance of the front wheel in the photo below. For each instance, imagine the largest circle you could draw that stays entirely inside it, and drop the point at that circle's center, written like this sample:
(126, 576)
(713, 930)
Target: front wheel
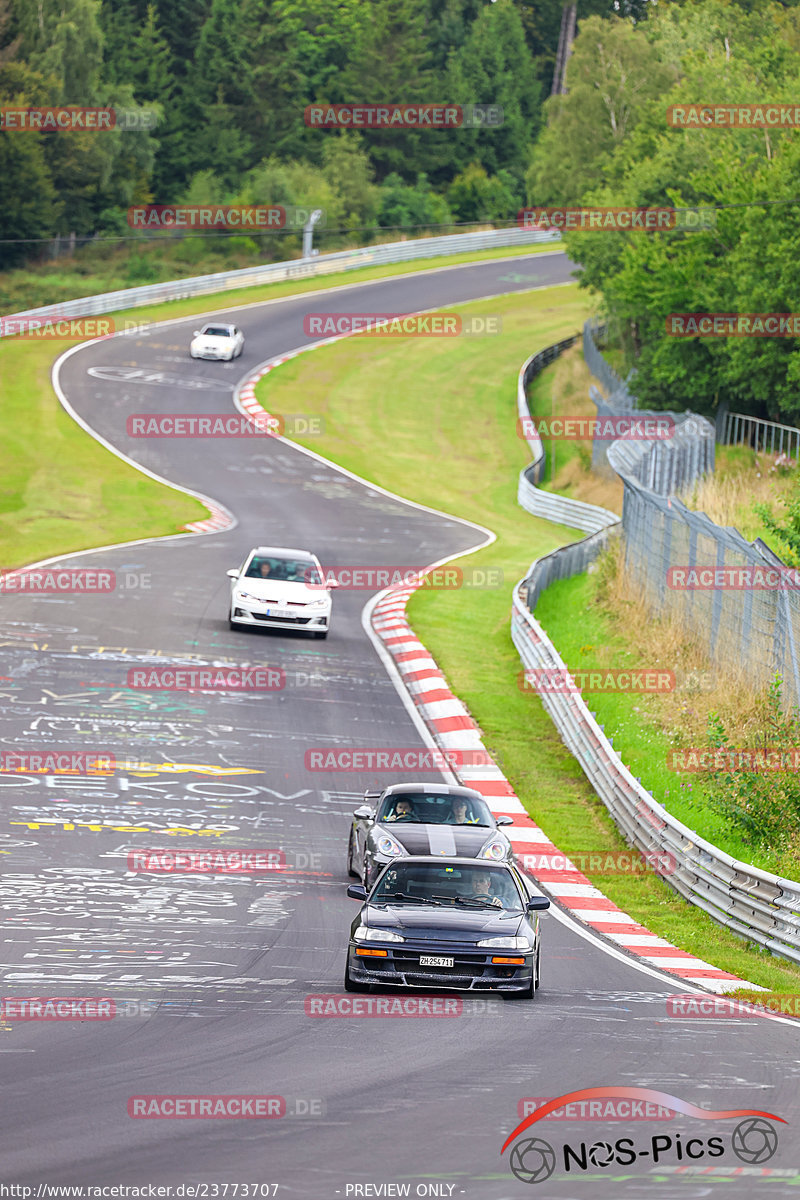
(353, 985)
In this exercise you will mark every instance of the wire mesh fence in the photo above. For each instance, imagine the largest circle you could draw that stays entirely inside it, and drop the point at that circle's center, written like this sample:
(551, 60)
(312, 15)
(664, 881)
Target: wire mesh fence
(738, 597)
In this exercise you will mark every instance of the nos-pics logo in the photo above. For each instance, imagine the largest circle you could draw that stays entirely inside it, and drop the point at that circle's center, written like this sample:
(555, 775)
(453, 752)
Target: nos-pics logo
(754, 1140)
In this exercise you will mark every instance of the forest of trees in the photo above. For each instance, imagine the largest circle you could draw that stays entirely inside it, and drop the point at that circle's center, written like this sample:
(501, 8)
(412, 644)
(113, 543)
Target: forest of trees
(229, 81)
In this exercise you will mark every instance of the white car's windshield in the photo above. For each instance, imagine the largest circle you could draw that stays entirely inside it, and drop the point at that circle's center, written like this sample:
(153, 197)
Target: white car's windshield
(284, 570)
(216, 331)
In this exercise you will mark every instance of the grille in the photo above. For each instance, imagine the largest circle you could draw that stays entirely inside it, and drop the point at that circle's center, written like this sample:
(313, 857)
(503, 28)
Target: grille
(283, 620)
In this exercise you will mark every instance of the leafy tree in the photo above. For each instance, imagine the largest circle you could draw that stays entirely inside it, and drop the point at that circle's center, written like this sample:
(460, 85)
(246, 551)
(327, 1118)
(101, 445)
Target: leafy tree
(347, 170)
(69, 47)
(611, 75)
(475, 196)
(408, 207)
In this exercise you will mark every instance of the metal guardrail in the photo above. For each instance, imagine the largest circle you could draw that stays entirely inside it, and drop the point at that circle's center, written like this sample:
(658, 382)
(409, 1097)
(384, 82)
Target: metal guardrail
(752, 903)
(551, 506)
(748, 901)
(320, 264)
(736, 428)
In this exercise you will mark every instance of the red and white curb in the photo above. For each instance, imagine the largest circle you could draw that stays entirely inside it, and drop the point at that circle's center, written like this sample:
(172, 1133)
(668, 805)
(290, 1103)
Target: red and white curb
(220, 519)
(454, 729)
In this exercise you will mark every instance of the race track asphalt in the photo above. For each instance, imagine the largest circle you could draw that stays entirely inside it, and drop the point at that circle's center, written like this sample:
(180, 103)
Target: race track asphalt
(211, 974)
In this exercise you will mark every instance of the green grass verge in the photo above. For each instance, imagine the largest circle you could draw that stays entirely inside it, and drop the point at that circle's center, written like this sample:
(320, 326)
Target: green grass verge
(434, 420)
(60, 490)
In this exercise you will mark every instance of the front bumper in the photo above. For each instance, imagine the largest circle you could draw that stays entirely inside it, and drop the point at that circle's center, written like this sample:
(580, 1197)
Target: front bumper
(303, 620)
(215, 355)
(472, 971)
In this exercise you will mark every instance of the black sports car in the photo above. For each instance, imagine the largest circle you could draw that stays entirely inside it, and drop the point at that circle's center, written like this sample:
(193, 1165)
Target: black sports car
(446, 923)
(423, 818)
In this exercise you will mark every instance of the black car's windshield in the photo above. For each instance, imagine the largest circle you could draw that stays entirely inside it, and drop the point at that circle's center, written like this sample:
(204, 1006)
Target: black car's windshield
(217, 331)
(468, 885)
(283, 570)
(428, 808)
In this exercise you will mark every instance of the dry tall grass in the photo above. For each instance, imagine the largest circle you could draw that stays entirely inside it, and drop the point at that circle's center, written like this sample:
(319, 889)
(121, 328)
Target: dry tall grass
(703, 686)
(742, 480)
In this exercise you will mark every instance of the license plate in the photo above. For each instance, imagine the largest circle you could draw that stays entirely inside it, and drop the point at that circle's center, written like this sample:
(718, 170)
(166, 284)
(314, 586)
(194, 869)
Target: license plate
(280, 613)
(435, 960)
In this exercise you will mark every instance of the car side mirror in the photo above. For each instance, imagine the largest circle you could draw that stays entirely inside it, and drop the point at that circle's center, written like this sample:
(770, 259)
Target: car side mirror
(504, 819)
(331, 582)
(537, 903)
(363, 813)
(233, 573)
(356, 891)
(196, 333)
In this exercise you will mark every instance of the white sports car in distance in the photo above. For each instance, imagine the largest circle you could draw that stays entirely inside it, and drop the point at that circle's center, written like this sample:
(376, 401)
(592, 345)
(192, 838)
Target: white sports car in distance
(217, 341)
(281, 589)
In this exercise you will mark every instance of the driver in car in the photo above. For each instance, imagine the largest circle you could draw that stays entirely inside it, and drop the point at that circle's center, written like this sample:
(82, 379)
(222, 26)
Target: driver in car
(482, 889)
(403, 811)
(460, 814)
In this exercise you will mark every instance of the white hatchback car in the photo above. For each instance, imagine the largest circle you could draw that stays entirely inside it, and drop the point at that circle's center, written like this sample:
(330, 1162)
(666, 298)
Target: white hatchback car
(217, 341)
(281, 589)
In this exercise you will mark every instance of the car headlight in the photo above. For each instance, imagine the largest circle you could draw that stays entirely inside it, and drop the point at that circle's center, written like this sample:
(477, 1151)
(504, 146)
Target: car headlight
(248, 596)
(365, 934)
(506, 943)
(386, 844)
(317, 604)
(495, 848)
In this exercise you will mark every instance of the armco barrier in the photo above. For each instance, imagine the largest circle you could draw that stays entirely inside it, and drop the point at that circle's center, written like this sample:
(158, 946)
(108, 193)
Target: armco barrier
(306, 268)
(533, 499)
(755, 904)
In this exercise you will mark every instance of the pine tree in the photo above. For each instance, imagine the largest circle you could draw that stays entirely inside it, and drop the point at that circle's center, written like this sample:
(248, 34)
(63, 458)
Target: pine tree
(390, 64)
